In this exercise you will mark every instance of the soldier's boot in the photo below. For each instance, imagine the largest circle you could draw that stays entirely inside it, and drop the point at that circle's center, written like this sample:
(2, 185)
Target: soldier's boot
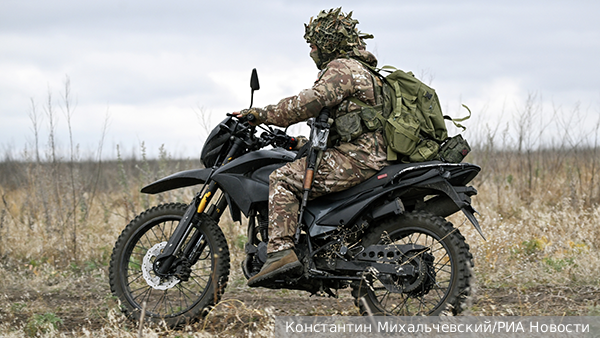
(278, 264)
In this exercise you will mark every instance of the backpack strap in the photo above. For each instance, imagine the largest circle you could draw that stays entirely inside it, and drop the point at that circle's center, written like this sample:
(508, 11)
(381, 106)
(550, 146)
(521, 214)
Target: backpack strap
(462, 119)
(387, 68)
(378, 108)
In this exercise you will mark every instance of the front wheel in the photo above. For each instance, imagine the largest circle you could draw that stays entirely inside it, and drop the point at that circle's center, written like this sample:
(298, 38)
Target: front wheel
(169, 299)
(442, 266)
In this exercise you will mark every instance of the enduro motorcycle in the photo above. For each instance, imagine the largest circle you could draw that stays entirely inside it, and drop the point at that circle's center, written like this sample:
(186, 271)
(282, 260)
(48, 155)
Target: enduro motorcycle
(386, 239)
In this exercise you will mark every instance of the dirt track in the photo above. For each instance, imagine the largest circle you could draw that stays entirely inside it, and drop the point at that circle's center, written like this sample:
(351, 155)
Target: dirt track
(86, 303)
(536, 301)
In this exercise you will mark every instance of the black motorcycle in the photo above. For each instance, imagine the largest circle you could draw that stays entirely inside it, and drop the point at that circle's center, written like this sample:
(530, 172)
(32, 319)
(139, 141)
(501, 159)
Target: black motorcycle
(386, 239)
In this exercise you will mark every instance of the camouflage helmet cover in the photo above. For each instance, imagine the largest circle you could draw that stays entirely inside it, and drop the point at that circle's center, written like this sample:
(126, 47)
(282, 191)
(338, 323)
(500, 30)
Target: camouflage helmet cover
(333, 32)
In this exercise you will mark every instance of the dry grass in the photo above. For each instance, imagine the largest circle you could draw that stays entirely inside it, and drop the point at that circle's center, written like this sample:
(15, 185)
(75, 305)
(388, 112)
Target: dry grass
(540, 212)
(60, 216)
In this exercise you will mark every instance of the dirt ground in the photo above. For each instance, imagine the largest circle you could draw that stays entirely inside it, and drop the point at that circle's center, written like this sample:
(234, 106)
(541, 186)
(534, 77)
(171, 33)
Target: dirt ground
(537, 301)
(87, 303)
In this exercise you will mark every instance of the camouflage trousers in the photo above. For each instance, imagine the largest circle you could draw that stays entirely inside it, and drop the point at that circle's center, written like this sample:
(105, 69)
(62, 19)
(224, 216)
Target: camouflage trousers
(336, 172)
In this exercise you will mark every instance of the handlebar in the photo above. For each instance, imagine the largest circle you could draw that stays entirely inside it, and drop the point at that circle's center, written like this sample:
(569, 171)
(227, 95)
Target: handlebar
(278, 138)
(272, 137)
(247, 118)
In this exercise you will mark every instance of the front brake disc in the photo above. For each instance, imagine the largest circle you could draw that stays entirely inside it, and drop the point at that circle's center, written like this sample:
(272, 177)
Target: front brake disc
(148, 270)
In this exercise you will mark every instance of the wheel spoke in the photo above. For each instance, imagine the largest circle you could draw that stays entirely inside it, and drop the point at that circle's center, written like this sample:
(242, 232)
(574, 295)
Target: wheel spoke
(183, 288)
(401, 304)
(144, 287)
(138, 276)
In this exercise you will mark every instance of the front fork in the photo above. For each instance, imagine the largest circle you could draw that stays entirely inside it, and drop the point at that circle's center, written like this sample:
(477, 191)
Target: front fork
(164, 263)
(191, 249)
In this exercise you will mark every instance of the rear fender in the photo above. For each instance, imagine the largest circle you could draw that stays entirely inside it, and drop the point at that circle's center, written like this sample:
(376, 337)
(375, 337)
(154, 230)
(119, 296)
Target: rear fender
(450, 200)
(178, 180)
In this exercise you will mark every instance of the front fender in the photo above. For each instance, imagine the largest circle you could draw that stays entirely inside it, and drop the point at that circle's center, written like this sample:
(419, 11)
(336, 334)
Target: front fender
(178, 180)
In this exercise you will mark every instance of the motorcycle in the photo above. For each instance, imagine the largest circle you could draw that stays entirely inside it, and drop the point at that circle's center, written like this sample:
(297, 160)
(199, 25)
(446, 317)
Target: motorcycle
(386, 239)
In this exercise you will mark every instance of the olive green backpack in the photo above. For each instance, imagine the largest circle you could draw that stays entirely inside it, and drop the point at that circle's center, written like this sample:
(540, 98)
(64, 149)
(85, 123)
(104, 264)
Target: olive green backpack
(412, 120)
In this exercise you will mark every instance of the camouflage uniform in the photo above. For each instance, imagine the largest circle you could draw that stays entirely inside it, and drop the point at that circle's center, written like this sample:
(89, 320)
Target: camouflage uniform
(343, 165)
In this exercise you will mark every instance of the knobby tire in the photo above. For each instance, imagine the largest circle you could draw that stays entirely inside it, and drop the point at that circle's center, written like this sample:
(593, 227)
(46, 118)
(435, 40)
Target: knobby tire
(451, 268)
(185, 302)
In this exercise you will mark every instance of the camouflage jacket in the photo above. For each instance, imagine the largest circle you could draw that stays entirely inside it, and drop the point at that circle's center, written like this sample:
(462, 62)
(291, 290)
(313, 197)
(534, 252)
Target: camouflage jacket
(340, 80)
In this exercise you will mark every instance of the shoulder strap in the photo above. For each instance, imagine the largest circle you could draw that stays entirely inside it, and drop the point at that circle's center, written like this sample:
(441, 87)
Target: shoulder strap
(358, 102)
(377, 108)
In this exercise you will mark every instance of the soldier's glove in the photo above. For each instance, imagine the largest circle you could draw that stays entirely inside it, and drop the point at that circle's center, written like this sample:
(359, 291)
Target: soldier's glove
(252, 115)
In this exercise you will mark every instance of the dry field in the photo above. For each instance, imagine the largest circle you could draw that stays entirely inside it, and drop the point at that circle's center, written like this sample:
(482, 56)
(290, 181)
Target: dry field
(60, 216)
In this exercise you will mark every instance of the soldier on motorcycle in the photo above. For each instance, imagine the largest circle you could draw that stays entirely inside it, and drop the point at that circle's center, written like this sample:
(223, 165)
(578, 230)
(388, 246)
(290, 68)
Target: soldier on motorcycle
(338, 49)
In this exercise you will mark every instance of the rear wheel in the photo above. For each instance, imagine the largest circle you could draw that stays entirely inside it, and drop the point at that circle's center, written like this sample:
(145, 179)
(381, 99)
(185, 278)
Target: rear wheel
(442, 269)
(177, 301)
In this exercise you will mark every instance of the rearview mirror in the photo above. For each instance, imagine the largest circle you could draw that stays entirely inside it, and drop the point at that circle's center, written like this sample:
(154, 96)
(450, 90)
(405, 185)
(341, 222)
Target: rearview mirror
(254, 85)
(254, 80)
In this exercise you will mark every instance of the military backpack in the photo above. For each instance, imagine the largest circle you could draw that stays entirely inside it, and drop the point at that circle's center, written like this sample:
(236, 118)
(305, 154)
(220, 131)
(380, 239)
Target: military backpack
(410, 115)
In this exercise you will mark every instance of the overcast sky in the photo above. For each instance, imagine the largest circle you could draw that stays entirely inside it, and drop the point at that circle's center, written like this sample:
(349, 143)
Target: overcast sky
(153, 67)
